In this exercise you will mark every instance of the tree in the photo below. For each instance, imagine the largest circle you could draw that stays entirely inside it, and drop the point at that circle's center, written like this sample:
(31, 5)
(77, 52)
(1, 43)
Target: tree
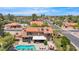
(65, 42)
(58, 22)
(34, 17)
(42, 15)
(1, 42)
(1, 27)
(11, 17)
(6, 41)
(45, 42)
(1, 16)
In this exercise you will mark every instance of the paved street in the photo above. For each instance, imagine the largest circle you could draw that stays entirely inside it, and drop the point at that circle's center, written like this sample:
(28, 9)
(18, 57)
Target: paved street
(72, 38)
(74, 30)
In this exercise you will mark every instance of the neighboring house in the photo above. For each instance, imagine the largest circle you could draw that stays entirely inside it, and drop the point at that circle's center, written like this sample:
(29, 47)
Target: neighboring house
(13, 28)
(39, 23)
(24, 25)
(69, 25)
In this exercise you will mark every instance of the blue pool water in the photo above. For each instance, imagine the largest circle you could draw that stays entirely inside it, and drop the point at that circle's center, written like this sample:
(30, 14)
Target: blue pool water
(25, 47)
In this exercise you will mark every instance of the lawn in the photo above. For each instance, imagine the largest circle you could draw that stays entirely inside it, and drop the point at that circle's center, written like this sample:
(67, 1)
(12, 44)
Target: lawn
(59, 45)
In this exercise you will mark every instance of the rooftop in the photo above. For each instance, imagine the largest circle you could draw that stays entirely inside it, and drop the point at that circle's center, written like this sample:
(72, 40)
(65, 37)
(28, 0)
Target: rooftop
(39, 29)
(69, 23)
(13, 24)
(37, 22)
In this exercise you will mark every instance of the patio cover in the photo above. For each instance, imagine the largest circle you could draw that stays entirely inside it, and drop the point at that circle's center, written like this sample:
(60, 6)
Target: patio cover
(39, 38)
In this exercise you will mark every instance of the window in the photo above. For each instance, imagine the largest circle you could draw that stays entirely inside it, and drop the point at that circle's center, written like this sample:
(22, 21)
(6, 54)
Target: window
(29, 33)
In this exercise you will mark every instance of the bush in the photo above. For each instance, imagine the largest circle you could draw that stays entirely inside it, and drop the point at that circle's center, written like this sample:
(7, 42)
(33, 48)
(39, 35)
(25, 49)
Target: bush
(65, 41)
(6, 34)
(45, 42)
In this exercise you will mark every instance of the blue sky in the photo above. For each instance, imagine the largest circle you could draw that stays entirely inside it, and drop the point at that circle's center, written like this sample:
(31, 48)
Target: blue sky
(51, 11)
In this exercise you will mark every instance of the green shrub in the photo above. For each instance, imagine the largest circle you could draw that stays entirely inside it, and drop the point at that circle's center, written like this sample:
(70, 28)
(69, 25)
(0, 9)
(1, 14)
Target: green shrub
(45, 42)
(65, 41)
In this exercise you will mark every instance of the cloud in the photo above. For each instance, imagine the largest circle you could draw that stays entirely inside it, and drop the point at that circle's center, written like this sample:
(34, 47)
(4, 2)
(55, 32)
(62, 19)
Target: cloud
(27, 12)
(39, 10)
(30, 11)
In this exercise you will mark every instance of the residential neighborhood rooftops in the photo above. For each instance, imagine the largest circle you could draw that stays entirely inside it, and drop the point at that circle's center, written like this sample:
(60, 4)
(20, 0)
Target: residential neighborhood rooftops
(12, 24)
(37, 22)
(39, 29)
(20, 34)
(69, 24)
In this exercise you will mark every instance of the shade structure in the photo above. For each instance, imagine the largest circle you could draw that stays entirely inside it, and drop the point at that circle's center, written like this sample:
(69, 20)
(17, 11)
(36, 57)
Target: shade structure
(39, 38)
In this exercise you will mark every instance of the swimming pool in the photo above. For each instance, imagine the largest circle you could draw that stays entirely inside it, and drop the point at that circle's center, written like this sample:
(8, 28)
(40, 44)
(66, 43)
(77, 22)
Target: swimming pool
(25, 47)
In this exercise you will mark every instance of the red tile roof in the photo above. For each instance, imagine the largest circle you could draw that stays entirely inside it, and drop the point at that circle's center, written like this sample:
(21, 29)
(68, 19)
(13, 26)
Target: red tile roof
(39, 29)
(13, 24)
(69, 24)
(37, 22)
(34, 30)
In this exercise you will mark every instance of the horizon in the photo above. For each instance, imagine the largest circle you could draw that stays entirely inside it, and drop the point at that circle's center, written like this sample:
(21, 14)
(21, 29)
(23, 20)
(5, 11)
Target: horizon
(48, 11)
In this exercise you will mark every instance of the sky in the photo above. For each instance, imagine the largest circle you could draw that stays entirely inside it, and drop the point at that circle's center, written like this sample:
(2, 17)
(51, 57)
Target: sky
(50, 11)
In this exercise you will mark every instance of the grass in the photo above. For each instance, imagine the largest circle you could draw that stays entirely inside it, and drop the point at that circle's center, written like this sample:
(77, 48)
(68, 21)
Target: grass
(58, 44)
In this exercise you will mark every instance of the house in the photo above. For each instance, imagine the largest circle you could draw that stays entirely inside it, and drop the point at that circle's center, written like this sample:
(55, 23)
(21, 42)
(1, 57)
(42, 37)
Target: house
(24, 25)
(39, 30)
(37, 22)
(30, 32)
(69, 25)
(12, 28)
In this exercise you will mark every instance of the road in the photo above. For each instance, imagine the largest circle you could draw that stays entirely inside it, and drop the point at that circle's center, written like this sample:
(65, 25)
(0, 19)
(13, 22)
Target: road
(71, 37)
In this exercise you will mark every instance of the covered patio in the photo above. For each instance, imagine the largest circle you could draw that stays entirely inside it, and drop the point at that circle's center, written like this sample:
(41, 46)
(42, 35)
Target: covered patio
(39, 39)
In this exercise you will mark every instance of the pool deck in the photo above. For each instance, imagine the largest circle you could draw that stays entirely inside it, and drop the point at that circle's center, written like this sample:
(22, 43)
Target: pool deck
(38, 46)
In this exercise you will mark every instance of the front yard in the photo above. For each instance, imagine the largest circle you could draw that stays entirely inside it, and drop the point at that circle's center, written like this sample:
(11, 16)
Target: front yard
(62, 43)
